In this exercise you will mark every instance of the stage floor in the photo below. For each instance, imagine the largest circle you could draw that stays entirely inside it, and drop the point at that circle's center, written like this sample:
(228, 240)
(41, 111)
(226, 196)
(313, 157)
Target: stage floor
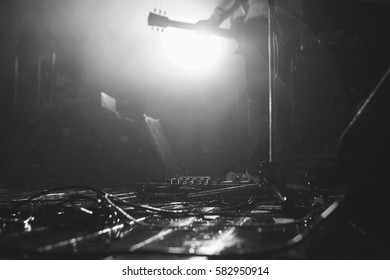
(172, 219)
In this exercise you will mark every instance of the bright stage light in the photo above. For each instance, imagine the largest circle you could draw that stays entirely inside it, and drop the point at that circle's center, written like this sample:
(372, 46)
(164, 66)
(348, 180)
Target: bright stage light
(191, 51)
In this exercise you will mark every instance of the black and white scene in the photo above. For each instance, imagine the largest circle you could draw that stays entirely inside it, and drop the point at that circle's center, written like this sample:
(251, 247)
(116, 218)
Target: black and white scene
(194, 129)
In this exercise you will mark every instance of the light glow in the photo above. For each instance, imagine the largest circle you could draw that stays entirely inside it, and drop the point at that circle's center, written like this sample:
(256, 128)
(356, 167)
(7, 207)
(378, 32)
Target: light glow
(191, 51)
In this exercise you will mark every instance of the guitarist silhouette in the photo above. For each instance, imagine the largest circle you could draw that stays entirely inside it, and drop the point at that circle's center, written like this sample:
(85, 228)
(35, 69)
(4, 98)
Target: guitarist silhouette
(249, 19)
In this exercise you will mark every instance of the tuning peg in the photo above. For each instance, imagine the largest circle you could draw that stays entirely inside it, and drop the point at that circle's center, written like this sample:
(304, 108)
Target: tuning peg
(154, 10)
(165, 13)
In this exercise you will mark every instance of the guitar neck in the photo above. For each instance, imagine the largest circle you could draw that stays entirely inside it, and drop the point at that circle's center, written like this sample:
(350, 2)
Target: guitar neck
(227, 33)
(183, 25)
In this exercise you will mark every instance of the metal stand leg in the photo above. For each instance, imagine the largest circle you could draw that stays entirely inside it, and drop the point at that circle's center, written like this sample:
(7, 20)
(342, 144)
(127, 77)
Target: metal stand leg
(270, 177)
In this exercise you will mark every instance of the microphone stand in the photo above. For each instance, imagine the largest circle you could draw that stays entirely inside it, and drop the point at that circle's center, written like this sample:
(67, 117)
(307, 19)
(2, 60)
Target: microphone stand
(268, 170)
(271, 79)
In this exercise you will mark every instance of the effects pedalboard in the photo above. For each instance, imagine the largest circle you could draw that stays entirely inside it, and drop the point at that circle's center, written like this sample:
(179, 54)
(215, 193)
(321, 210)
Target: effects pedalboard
(190, 188)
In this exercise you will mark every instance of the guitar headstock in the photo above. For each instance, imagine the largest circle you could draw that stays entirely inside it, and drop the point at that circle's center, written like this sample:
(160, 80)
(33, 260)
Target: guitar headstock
(158, 20)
